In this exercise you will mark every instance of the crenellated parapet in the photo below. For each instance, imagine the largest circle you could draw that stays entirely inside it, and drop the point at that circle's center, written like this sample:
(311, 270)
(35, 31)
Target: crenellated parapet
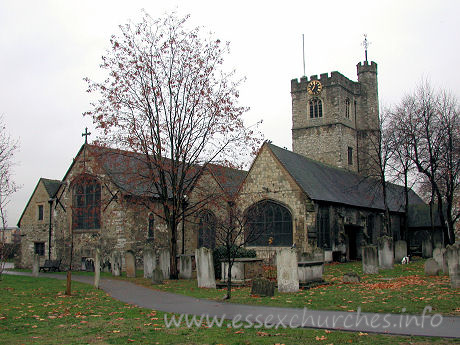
(363, 67)
(333, 79)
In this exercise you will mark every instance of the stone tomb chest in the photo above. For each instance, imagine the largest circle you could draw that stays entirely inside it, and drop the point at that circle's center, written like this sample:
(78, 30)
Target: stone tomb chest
(243, 269)
(310, 271)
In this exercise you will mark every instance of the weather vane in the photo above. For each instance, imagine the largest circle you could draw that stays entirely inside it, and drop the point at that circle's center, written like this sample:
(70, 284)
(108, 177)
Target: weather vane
(365, 45)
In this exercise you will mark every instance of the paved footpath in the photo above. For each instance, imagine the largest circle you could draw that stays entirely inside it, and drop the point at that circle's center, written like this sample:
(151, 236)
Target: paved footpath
(398, 324)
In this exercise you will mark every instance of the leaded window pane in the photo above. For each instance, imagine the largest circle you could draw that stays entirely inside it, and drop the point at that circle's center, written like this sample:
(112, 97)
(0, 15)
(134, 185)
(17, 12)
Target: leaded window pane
(269, 222)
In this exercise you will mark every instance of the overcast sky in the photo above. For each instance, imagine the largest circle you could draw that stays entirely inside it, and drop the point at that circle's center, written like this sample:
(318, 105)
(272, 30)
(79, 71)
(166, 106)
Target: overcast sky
(48, 47)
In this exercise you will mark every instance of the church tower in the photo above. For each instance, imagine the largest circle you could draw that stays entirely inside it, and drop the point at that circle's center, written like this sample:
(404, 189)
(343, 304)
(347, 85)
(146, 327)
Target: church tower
(336, 120)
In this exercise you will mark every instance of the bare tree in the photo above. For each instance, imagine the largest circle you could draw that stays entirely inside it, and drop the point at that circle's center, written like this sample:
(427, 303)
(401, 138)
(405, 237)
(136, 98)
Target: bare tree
(234, 233)
(430, 122)
(401, 164)
(379, 155)
(8, 148)
(168, 98)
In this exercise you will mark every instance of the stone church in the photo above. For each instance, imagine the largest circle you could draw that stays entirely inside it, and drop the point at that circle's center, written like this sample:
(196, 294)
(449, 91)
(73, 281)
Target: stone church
(319, 195)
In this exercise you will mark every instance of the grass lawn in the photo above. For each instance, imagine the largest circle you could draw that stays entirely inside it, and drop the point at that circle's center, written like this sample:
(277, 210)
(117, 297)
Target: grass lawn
(35, 311)
(405, 286)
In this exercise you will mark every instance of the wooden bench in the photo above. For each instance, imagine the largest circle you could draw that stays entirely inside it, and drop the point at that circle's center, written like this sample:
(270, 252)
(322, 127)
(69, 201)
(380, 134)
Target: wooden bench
(51, 265)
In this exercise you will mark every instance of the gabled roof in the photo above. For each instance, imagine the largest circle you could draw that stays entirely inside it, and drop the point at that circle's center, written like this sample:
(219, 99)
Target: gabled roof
(325, 183)
(51, 187)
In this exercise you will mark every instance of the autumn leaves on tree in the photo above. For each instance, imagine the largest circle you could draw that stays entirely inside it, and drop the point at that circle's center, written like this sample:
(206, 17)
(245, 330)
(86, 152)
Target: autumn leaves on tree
(168, 98)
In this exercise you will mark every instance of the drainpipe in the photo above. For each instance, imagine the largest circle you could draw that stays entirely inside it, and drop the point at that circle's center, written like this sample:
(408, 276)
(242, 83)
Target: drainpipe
(50, 201)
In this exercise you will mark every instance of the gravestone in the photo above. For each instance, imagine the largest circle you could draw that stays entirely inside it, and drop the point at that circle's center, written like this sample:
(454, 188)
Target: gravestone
(106, 266)
(35, 265)
(370, 260)
(116, 264)
(400, 250)
(205, 268)
(149, 263)
(439, 255)
(157, 276)
(427, 248)
(453, 263)
(263, 287)
(185, 267)
(130, 262)
(97, 268)
(165, 262)
(351, 277)
(385, 251)
(431, 267)
(286, 265)
(328, 256)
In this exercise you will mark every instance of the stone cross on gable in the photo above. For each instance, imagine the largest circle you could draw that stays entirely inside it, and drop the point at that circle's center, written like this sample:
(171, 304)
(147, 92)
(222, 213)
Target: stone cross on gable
(84, 160)
(86, 134)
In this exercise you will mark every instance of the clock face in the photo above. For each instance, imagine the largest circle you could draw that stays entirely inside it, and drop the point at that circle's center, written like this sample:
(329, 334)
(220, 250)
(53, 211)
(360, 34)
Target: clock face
(314, 87)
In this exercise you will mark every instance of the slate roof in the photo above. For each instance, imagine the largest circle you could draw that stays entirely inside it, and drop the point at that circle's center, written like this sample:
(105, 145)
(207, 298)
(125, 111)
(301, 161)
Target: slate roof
(325, 183)
(419, 216)
(229, 179)
(129, 171)
(51, 186)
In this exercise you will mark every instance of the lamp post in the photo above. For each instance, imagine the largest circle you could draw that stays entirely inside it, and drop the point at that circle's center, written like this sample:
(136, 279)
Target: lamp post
(50, 201)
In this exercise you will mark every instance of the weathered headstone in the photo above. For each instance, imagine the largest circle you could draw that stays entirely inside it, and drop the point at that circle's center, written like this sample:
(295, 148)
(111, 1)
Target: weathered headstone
(185, 267)
(157, 276)
(165, 262)
(116, 264)
(431, 267)
(149, 262)
(205, 268)
(370, 260)
(427, 248)
(328, 256)
(351, 277)
(286, 265)
(439, 255)
(453, 263)
(385, 250)
(263, 287)
(130, 262)
(400, 250)
(35, 265)
(97, 268)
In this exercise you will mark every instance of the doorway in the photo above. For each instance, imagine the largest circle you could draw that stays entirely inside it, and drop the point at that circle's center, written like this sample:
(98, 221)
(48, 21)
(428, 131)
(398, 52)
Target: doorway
(354, 236)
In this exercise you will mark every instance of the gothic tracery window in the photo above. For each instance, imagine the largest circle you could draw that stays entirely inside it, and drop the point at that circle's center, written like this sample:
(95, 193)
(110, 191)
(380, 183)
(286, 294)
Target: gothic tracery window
(86, 204)
(269, 223)
(316, 108)
(207, 230)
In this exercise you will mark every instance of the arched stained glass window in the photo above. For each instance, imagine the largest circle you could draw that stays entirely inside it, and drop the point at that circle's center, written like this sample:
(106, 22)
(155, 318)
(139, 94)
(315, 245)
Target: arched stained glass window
(268, 221)
(207, 230)
(86, 204)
